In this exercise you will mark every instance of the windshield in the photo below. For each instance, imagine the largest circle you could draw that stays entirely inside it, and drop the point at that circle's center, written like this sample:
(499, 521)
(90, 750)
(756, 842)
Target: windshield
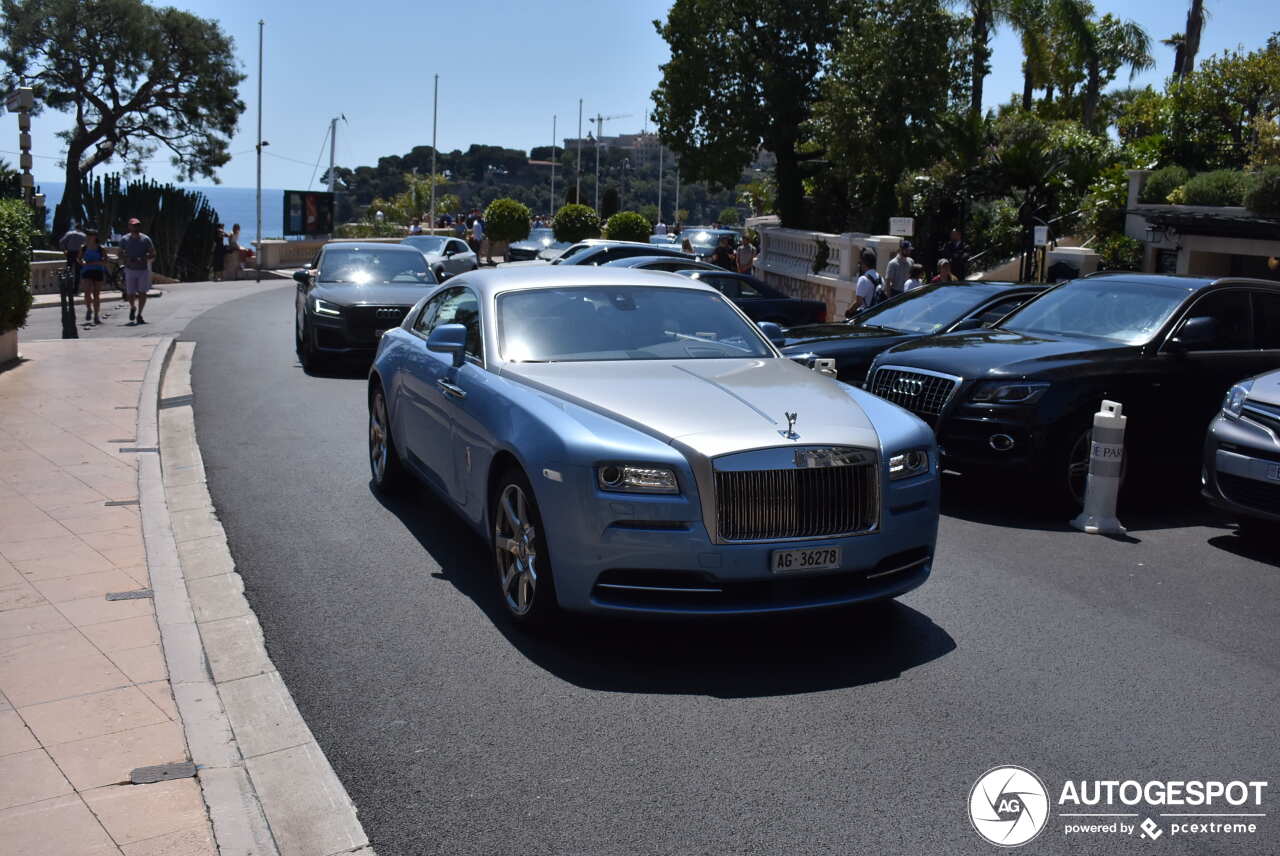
(705, 238)
(370, 264)
(426, 243)
(570, 252)
(590, 323)
(927, 309)
(546, 237)
(1102, 309)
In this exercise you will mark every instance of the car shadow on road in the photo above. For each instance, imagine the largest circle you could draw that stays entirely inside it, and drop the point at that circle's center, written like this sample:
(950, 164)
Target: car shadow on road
(1024, 505)
(731, 657)
(1248, 548)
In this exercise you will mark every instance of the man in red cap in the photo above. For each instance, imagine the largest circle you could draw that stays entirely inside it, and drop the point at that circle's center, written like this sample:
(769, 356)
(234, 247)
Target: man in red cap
(137, 251)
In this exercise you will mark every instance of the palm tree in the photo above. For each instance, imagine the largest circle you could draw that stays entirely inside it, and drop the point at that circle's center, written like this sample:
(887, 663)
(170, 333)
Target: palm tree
(1195, 23)
(1109, 41)
(1031, 21)
(1178, 41)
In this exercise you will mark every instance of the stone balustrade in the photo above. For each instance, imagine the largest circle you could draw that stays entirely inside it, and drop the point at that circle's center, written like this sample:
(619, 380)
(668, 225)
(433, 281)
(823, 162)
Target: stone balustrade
(787, 256)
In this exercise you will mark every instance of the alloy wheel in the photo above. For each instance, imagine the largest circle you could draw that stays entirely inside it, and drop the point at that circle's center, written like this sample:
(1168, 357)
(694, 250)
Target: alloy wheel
(378, 437)
(515, 540)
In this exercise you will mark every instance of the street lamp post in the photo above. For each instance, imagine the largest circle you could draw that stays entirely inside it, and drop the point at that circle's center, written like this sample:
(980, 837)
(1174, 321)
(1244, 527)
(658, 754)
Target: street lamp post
(258, 245)
(577, 188)
(599, 125)
(435, 111)
(553, 165)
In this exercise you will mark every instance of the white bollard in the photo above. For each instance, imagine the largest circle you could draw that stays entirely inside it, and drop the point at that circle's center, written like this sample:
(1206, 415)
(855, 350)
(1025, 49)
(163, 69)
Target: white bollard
(1106, 463)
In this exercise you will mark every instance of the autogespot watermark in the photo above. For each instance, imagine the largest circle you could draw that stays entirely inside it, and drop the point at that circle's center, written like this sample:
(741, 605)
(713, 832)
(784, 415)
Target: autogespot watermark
(1010, 806)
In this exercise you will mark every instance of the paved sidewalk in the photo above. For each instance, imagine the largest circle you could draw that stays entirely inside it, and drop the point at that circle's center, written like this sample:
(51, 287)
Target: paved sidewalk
(84, 693)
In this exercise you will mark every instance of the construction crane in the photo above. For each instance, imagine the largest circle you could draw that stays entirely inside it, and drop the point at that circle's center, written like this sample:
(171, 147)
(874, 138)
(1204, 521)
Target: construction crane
(600, 120)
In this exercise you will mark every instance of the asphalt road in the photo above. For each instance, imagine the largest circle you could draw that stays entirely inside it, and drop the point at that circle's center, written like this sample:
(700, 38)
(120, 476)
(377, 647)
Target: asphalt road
(858, 731)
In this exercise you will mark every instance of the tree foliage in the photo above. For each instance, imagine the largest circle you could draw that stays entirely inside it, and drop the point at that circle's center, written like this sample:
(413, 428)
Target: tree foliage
(507, 220)
(15, 263)
(743, 75)
(136, 78)
(627, 226)
(574, 223)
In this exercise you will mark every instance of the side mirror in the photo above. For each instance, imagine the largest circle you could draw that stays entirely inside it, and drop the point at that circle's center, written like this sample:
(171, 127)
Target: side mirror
(441, 276)
(449, 339)
(772, 332)
(302, 277)
(968, 324)
(1196, 332)
(448, 252)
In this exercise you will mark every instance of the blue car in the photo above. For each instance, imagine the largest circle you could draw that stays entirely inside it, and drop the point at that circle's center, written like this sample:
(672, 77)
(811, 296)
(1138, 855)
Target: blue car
(630, 442)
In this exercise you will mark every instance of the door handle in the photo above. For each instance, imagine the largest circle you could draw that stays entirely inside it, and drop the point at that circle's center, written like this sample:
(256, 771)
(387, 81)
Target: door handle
(451, 390)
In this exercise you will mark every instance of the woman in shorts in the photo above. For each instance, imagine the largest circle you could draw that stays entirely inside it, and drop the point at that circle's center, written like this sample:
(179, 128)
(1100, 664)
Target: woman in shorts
(93, 272)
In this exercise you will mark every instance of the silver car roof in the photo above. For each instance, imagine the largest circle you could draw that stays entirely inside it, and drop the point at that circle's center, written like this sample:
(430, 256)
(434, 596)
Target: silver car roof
(488, 283)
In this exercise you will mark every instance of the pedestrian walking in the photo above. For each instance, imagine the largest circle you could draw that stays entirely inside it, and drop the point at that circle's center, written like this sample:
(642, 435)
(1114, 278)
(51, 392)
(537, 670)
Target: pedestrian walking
(916, 279)
(71, 244)
(898, 271)
(93, 272)
(746, 256)
(869, 289)
(661, 228)
(945, 273)
(415, 226)
(958, 252)
(231, 262)
(722, 255)
(138, 251)
(477, 236)
(219, 252)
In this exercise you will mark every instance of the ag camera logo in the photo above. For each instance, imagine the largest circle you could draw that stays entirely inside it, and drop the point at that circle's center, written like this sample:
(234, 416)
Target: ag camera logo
(1009, 806)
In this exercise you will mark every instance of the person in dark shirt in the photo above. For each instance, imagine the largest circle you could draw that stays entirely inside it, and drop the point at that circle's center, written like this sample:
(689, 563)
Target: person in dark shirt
(958, 253)
(723, 256)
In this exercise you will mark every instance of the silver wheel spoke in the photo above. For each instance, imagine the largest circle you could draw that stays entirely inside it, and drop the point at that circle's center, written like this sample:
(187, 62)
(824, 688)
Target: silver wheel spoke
(507, 545)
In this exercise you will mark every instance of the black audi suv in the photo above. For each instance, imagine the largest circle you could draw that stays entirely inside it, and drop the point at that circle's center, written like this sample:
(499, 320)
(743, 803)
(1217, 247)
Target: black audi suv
(351, 294)
(1021, 396)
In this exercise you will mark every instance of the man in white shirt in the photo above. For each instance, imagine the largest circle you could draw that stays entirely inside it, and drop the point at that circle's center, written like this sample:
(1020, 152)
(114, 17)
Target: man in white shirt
(477, 236)
(660, 229)
(864, 293)
(746, 256)
(415, 226)
(916, 279)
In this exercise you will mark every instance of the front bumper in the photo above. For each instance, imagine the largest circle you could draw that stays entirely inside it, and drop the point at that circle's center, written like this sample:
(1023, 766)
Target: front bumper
(992, 437)
(653, 555)
(1242, 469)
(355, 333)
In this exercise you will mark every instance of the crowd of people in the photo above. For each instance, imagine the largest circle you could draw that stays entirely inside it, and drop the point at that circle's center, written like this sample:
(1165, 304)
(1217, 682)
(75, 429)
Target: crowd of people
(91, 267)
(903, 273)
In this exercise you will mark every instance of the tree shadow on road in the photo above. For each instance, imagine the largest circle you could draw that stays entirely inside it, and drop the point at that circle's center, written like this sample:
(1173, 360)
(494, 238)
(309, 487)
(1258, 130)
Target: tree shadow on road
(731, 657)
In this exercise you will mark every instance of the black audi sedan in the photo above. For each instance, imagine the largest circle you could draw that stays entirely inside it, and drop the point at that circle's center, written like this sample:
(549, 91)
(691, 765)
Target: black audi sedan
(942, 307)
(760, 301)
(1242, 457)
(1021, 395)
(351, 294)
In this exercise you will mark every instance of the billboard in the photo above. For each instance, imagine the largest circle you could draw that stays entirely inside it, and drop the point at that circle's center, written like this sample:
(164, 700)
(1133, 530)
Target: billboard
(308, 212)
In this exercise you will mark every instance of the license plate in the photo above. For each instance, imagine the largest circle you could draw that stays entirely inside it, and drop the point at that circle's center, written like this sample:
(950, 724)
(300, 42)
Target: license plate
(794, 561)
(1273, 472)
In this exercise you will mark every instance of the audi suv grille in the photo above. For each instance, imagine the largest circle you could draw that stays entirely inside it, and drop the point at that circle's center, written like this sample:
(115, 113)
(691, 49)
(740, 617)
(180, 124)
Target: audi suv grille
(770, 505)
(923, 394)
(365, 321)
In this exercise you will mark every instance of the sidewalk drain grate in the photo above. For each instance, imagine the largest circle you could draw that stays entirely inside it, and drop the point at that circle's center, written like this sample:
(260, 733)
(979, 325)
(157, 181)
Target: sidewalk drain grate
(176, 401)
(126, 407)
(114, 502)
(124, 440)
(137, 594)
(162, 773)
(138, 449)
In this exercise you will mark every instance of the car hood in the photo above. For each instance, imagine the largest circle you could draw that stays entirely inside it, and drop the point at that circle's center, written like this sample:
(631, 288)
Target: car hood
(373, 293)
(810, 333)
(711, 406)
(1266, 389)
(1003, 353)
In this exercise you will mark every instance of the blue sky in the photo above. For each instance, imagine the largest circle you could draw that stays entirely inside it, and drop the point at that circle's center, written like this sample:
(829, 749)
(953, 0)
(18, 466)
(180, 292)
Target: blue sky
(505, 68)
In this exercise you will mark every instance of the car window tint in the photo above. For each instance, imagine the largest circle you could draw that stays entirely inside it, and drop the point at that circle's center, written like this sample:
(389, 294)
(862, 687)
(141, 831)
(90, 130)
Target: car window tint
(1231, 312)
(458, 246)
(423, 323)
(747, 289)
(1000, 308)
(723, 284)
(460, 306)
(1266, 316)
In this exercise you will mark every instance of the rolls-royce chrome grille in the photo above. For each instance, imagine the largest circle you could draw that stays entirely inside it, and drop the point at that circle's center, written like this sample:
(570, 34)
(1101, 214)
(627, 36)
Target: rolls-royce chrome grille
(923, 394)
(829, 492)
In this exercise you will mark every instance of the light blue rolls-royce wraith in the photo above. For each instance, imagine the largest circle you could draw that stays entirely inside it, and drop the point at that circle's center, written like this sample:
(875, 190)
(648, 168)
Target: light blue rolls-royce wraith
(629, 442)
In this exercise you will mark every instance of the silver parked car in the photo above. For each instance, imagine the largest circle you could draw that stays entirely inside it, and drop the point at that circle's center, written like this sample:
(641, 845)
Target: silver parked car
(446, 256)
(1242, 455)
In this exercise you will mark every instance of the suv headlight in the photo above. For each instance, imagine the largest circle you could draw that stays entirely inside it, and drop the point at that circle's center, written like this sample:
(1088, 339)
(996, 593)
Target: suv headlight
(904, 465)
(637, 478)
(1235, 398)
(323, 307)
(1008, 392)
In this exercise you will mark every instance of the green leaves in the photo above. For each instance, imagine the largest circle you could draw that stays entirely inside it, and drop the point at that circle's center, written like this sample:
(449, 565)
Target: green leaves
(507, 220)
(627, 226)
(574, 223)
(15, 263)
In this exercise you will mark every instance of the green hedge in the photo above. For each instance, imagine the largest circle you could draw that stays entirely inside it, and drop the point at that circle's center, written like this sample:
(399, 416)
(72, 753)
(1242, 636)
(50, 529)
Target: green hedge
(1220, 187)
(1161, 183)
(628, 226)
(1264, 194)
(15, 263)
(575, 222)
(507, 220)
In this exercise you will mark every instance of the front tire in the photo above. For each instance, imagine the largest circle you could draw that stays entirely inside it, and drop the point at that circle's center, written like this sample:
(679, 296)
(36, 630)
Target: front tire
(307, 353)
(389, 475)
(521, 560)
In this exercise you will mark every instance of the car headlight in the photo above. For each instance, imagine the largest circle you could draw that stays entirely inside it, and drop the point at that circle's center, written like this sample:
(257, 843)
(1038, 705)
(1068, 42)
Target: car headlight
(912, 462)
(1235, 398)
(1009, 392)
(323, 307)
(637, 478)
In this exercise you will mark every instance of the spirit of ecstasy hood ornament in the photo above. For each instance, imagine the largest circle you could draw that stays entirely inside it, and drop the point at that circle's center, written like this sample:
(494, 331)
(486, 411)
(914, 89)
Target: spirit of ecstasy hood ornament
(790, 433)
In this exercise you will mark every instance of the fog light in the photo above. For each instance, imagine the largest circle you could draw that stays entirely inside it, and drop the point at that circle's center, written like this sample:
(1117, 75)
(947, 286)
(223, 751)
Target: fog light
(1000, 442)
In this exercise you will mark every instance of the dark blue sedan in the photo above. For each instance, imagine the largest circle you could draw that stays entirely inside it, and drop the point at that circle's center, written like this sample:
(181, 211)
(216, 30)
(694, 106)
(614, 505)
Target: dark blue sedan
(761, 302)
(938, 308)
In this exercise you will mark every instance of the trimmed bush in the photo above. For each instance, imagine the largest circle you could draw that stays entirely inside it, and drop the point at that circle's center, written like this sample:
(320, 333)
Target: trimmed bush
(1161, 183)
(1220, 187)
(730, 216)
(575, 222)
(627, 226)
(507, 220)
(15, 263)
(1264, 193)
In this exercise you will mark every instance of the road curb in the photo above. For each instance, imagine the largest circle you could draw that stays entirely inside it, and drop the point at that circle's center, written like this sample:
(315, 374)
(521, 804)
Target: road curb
(117, 298)
(267, 784)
